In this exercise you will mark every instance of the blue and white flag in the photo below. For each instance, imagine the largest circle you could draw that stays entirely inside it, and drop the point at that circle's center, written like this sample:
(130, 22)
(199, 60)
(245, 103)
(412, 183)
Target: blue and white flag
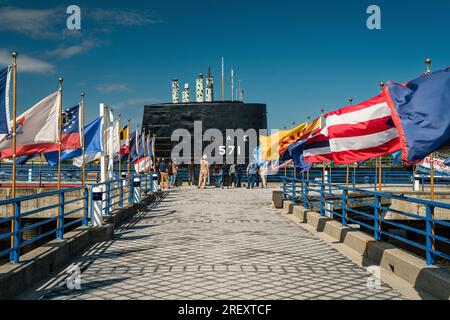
(397, 157)
(420, 111)
(93, 146)
(5, 126)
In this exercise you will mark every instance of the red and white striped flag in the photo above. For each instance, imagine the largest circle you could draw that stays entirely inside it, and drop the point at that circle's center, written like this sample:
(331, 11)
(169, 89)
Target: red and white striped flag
(362, 131)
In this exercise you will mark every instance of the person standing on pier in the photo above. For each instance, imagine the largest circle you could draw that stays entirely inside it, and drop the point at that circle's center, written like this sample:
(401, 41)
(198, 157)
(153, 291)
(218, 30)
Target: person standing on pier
(232, 175)
(263, 169)
(191, 173)
(225, 181)
(164, 172)
(238, 173)
(252, 171)
(204, 171)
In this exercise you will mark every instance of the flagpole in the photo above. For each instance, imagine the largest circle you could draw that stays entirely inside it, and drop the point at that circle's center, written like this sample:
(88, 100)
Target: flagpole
(120, 153)
(348, 166)
(129, 148)
(14, 142)
(307, 172)
(83, 168)
(105, 144)
(322, 126)
(380, 168)
(427, 73)
(59, 131)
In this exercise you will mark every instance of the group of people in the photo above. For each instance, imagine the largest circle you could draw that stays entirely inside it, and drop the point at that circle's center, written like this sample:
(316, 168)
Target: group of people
(167, 172)
(224, 175)
(227, 175)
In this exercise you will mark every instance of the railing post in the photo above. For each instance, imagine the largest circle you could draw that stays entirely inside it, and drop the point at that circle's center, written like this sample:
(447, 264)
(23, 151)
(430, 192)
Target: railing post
(130, 189)
(121, 181)
(376, 216)
(14, 255)
(344, 206)
(60, 229)
(91, 204)
(86, 206)
(322, 199)
(108, 200)
(284, 188)
(151, 182)
(430, 242)
(293, 191)
(305, 195)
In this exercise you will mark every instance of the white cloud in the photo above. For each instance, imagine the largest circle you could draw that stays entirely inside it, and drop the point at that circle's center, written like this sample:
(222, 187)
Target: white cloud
(26, 63)
(120, 17)
(68, 52)
(114, 87)
(37, 23)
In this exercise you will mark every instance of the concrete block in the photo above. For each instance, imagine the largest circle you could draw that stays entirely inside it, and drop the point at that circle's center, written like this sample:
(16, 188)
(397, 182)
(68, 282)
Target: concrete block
(316, 221)
(334, 229)
(277, 199)
(300, 212)
(436, 281)
(288, 207)
(356, 240)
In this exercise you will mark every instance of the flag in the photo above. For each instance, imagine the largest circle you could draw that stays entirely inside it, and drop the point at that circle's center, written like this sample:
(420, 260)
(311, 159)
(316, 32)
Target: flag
(420, 111)
(300, 132)
(24, 159)
(447, 161)
(296, 153)
(363, 131)
(397, 157)
(270, 147)
(36, 129)
(317, 148)
(133, 147)
(93, 138)
(70, 130)
(70, 135)
(5, 76)
(124, 147)
(139, 164)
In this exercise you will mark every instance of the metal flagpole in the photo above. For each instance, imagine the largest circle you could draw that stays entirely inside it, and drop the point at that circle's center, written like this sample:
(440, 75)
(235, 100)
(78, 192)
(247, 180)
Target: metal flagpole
(129, 148)
(83, 168)
(14, 115)
(105, 143)
(223, 81)
(60, 132)
(120, 153)
(321, 126)
(348, 166)
(58, 224)
(380, 167)
(307, 172)
(427, 73)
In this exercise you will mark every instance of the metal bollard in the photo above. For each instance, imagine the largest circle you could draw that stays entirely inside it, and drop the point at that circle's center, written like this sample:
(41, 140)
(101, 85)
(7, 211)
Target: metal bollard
(136, 190)
(97, 203)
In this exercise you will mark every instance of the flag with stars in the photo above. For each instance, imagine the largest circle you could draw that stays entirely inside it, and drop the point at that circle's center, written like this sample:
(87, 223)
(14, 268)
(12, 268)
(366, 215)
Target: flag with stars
(70, 134)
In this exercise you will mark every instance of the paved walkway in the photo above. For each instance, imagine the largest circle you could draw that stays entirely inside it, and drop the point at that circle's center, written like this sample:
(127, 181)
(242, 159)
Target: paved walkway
(216, 244)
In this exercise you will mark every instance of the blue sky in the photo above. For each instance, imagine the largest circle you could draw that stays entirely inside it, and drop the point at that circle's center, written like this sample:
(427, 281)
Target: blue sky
(296, 56)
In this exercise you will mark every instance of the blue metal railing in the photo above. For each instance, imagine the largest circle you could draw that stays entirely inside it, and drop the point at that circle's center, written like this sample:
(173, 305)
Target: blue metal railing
(59, 215)
(57, 221)
(368, 209)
